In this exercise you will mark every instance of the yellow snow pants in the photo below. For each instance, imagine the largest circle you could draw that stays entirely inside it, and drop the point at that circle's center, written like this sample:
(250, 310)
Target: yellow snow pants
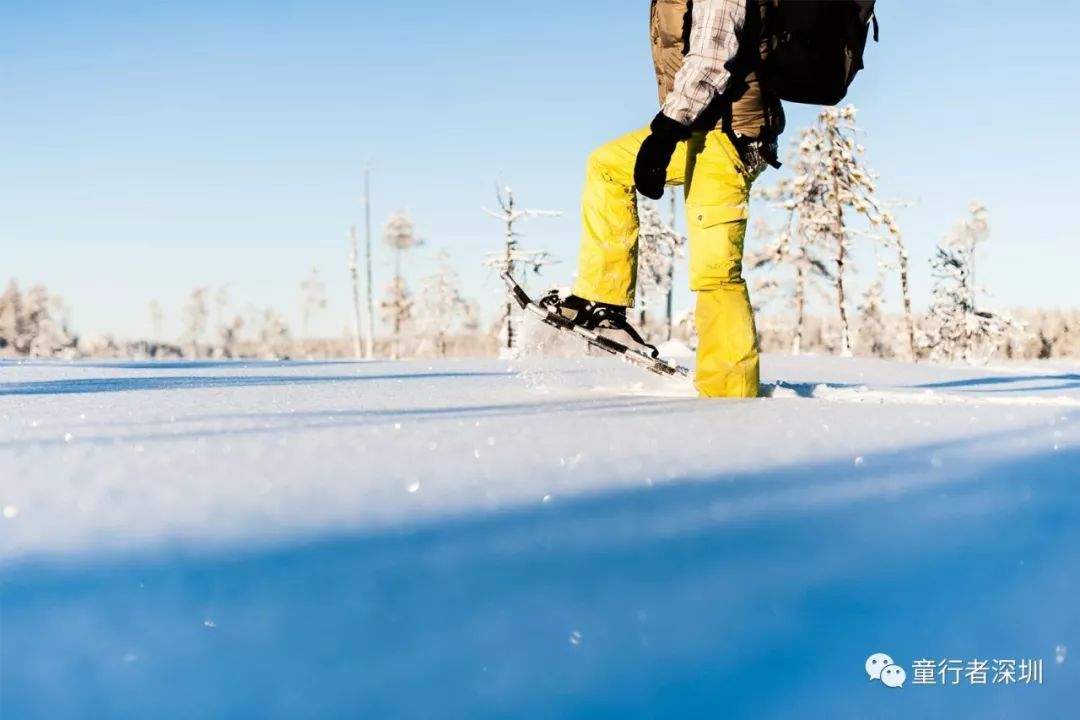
(717, 192)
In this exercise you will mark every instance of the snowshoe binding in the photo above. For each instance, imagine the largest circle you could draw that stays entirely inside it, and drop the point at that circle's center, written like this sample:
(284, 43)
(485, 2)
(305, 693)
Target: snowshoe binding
(607, 320)
(600, 324)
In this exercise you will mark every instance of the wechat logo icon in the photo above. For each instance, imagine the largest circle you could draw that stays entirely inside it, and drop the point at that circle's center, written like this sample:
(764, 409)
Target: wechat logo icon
(880, 666)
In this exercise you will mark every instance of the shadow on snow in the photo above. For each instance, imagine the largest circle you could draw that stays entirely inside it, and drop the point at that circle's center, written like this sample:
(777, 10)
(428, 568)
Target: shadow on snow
(752, 595)
(1065, 382)
(196, 382)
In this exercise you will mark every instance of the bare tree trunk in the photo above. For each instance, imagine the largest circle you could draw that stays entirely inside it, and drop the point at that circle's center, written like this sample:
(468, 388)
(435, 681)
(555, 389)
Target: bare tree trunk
(670, 306)
(509, 305)
(510, 242)
(397, 310)
(669, 311)
(800, 307)
(969, 343)
(845, 329)
(905, 292)
(841, 259)
(354, 274)
(509, 327)
(369, 349)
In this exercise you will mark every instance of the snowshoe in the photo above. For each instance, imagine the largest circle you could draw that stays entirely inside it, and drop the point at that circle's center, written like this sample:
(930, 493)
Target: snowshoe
(595, 322)
(606, 320)
(590, 315)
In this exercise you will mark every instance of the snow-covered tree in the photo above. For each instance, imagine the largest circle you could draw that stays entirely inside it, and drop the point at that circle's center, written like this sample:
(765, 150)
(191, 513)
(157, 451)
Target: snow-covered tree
(830, 179)
(312, 300)
(399, 235)
(157, 320)
(227, 326)
(195, 317)
(34, 323)
(397, 312)
(836, 181)
(796, 262)
(221, 305)
(659, 244)
(1047, 334)
(686, 328)
(959, 328)
(873, 329)
(829, 190)
(229, 337)
(47, 318)
(443, 310)
(513, 259)
(272, 338)
(12, 330)
(895, 240)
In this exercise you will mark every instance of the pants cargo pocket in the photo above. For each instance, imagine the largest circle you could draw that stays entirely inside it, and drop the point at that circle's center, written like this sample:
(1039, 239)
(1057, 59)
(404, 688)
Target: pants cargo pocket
(717, 233)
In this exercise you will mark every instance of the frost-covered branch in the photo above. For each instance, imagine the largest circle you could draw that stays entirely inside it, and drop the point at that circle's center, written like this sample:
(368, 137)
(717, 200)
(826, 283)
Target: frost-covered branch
(400, 235)
(443, 308)
(513, 259)
(960, 329)
(659, 245)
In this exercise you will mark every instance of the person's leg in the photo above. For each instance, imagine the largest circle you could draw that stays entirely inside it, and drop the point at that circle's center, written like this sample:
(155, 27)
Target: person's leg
(718, 194)
(607, 264)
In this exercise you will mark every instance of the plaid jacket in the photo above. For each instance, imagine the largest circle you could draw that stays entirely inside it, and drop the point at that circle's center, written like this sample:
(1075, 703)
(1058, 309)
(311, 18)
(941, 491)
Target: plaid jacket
(714, 43)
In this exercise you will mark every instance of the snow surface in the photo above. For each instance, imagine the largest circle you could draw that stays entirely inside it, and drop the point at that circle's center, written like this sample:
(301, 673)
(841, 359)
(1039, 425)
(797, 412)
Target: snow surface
(541, 538)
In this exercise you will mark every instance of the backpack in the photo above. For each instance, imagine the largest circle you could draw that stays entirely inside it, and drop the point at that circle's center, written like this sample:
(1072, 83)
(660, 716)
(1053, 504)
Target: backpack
(815, 47)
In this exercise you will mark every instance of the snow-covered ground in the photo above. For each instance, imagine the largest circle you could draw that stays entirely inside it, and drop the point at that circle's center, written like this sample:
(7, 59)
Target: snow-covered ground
(541, 538)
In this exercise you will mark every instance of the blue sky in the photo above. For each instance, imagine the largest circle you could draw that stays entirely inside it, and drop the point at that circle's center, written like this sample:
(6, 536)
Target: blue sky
(150, 147)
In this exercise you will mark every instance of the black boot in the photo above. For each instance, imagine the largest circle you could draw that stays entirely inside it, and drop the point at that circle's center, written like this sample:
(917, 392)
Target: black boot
(586, 313)
(604, 318)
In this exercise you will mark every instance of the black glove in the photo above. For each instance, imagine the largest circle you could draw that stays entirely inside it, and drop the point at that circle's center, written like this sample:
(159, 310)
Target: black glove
(650, 170)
